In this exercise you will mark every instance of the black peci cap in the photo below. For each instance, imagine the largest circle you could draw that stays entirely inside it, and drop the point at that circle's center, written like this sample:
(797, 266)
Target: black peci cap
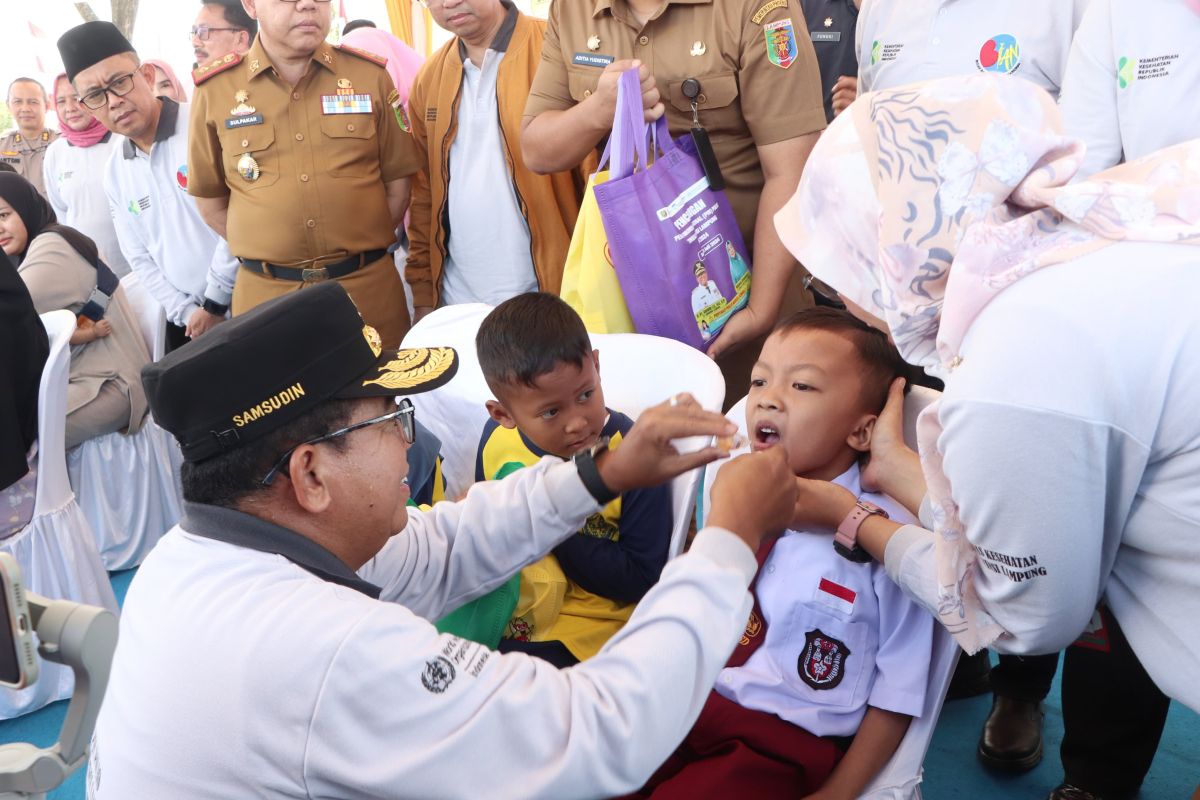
(90, 43)
(250, 375)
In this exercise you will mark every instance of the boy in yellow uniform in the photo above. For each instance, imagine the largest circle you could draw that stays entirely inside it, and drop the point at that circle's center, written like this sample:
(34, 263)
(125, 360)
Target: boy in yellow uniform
(540, 365)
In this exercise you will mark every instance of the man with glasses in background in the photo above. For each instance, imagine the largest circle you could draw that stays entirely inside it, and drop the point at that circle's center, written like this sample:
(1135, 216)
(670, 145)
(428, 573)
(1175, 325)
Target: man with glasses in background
(300, 155)
(185, 266)
(222, 27)
(25, 148)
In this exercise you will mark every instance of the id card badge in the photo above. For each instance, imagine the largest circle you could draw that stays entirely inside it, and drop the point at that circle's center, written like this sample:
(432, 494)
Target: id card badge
(704, 150)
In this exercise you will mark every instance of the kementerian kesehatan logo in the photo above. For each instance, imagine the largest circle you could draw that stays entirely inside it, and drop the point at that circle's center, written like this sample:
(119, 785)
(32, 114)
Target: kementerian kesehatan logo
(438, 675)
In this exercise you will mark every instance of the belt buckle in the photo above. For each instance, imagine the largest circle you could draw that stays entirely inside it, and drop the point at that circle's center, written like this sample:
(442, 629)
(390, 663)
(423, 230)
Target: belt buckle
(314, 275)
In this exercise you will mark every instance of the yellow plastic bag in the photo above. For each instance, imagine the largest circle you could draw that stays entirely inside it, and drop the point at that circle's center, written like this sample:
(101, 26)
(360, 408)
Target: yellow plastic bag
(589, 283)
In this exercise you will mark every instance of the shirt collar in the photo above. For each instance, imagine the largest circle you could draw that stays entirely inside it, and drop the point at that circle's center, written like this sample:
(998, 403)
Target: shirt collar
(503, 36)
(257, 62)
(602, 5)
(168, 120)
(244, 530)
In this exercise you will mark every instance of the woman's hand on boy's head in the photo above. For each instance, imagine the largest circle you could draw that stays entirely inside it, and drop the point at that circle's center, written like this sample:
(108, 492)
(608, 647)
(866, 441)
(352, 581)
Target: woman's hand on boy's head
(754, 496)
(647, 455)
(893, 468)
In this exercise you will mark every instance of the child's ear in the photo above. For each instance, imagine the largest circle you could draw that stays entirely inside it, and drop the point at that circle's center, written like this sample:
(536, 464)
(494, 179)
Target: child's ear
(860, 437)
(596, 360)
(500, 414)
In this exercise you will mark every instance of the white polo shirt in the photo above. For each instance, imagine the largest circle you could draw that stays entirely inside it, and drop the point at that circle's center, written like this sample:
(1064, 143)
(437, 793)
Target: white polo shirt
(489, 258)
(840, 635)
(903, 41)
(74, 180)
(1132, 80)
(241, 674)
(175, 254)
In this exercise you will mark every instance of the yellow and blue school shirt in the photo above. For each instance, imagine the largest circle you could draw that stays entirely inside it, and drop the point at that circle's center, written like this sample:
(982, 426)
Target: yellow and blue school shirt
(585, 590)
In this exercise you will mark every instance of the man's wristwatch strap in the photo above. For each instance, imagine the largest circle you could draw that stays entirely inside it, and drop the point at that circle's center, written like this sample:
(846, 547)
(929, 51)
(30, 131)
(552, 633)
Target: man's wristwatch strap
(214, 308)
(589, 473)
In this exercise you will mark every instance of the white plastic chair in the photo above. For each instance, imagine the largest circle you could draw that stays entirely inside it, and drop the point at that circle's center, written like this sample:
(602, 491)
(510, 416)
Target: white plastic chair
(56, 550)
(130, 513)
(900, 778)
(637, 372)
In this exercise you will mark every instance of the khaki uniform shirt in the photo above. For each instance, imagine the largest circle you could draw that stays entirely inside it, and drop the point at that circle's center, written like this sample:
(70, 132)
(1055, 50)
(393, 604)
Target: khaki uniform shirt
(324, 151)
(758, 75)
(312, 190)
(26, 155)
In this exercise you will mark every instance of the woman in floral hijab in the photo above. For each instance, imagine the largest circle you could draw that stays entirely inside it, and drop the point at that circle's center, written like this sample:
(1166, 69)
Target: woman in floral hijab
(1063, 460)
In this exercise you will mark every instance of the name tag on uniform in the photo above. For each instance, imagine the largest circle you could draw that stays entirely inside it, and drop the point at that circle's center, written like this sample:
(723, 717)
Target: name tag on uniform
(241, 122)
(826, 36)
(592, 60)
(346, 104)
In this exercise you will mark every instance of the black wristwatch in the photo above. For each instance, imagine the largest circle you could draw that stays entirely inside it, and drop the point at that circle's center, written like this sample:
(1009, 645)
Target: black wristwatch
(214, 308)
(589, 473)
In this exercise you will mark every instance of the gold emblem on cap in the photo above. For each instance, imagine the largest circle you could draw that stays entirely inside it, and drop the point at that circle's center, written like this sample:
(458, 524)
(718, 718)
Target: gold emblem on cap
(247, 167)
(241, 109)
(414, 367)
(593, 42)
(373, 339)
(698, 48)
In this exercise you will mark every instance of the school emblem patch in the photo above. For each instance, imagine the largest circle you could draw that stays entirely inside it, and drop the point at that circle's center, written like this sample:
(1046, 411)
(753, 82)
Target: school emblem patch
(781, 42)
(438, 675)
(822, 663)
(753, 628)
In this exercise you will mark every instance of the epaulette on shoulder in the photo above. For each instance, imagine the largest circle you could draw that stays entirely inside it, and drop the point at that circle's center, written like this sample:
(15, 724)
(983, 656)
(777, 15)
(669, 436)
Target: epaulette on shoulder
(201, 74)
(354, 51)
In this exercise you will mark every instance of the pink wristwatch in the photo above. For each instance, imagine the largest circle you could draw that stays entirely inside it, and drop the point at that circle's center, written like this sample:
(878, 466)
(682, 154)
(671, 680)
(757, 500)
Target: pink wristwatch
(845, 541)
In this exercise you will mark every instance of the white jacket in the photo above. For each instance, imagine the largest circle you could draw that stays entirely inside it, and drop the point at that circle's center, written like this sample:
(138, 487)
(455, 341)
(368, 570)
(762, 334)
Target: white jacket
(239, 674)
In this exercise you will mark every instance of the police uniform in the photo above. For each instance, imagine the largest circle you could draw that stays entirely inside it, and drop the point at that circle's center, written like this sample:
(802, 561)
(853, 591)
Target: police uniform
(1131, 80)
(831, 27)
(26, 155)
(759, 81)
(904, 41)
(254, 662)
(304, 169)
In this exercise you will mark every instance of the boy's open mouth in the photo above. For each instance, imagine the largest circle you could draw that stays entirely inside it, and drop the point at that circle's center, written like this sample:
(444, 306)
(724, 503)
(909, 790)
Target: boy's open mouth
(766, 434)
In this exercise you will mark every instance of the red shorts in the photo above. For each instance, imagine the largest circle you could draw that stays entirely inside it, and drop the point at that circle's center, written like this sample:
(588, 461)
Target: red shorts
(734, 751)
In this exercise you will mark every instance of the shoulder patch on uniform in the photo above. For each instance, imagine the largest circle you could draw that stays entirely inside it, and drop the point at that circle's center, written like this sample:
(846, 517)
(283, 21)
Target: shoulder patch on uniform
(201, 74)
(354, 51)
(767, 8)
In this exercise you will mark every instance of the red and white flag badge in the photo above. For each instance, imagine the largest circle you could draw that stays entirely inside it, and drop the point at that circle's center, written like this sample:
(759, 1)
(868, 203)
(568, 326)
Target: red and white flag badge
(836, 596)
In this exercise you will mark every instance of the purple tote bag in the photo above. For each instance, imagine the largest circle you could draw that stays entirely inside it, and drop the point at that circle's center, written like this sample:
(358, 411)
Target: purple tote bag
(675, 243)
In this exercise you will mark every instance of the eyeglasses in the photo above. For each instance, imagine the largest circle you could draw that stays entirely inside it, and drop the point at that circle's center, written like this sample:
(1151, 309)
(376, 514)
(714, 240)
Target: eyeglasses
(406, 422)
(119, 87)
(824, 294)
(201, 32)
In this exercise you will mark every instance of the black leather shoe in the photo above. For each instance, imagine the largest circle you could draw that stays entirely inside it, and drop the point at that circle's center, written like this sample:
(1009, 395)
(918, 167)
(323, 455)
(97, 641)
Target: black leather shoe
(972, 677)
(1012, 735)
(1065, 791)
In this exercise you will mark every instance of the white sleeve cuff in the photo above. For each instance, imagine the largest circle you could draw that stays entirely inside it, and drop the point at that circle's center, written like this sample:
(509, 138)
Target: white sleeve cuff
(726, 548)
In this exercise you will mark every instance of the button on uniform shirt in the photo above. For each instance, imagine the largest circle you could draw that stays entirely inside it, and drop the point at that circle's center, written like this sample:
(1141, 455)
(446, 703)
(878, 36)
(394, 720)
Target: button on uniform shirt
(903, 41)
(75, 188)
(26, 155)
(1132, 79)
(831, 25)
(759, 81)
(177, 257)
(324, 150)
(489, 259)
(840, 636)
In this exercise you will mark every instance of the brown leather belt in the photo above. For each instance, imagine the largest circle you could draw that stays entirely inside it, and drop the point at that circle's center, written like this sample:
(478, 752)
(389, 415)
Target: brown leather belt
(337, 269)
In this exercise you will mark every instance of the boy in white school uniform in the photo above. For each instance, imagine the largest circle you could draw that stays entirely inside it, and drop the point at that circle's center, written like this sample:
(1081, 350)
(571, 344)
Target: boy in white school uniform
(833, 648)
